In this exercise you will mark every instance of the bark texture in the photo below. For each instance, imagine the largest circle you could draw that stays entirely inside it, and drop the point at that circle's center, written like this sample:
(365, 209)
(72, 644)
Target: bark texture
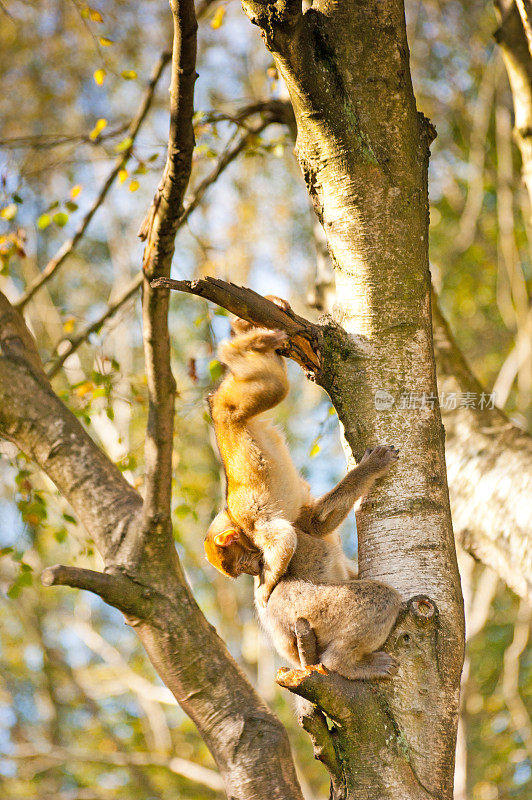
(489, 466)
(363, 151)
(142, 577)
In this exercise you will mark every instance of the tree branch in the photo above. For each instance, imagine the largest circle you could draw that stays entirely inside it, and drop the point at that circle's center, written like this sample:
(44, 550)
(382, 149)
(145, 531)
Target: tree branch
(305, 336)
(159, 230)
(36, 420)
(249, 744)
(67, 247)
(487, 457)
(179, 766)
(114, 588)
(71, 345)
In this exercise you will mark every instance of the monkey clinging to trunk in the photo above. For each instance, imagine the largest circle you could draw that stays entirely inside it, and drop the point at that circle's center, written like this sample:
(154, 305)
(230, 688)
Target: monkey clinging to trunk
(351, 619)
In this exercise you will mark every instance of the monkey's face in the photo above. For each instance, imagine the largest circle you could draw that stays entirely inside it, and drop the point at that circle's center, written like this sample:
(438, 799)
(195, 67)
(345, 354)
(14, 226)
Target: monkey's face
(230, 551)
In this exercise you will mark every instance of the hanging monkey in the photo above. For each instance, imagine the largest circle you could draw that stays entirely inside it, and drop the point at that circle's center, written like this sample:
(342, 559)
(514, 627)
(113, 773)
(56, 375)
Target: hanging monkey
(264, 492)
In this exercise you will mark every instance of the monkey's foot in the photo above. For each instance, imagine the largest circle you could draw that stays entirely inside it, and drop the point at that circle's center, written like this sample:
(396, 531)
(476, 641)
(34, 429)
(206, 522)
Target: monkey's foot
(375, 666)
(380, 459)
(290, 678)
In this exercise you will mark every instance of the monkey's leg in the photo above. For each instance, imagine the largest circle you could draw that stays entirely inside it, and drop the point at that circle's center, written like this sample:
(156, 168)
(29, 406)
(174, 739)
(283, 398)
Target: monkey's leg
(331, 509)
(258, 340)
(278, 541)
(352, 622)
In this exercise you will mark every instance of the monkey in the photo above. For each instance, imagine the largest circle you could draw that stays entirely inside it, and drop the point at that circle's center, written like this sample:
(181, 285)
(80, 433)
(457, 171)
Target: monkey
(254, 533)
(351, 618)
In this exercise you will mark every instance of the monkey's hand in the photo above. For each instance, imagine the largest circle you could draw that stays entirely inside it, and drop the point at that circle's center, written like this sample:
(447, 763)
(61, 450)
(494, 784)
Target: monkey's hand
(262, 594)
(378, 460)
(262, 340)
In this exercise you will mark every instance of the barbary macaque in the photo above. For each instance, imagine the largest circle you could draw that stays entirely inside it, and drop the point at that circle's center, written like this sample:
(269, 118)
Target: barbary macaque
(351, 619)
(264, 492)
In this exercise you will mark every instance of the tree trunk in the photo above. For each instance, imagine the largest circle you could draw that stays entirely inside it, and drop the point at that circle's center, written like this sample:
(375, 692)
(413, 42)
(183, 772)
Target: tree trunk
(363, 151)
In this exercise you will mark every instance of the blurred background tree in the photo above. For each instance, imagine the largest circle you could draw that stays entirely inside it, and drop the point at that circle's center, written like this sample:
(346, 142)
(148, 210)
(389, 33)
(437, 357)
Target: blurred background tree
(82, 713)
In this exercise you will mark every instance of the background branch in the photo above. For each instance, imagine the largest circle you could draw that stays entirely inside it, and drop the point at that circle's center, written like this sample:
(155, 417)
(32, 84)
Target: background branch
(67, 247)
(487, 457)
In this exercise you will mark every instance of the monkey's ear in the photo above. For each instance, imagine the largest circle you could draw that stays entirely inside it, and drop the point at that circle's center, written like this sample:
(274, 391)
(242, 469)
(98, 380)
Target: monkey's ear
(225, 538)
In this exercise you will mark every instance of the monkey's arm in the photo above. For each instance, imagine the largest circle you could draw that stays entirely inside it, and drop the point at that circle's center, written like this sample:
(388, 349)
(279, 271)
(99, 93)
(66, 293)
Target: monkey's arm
(330, 510)
(278, 541)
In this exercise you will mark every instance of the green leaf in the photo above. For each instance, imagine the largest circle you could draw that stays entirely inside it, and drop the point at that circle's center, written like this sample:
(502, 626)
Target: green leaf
(71, 206)
(14, 591)
(25, 579)
(60, 219)
(182, 510)
(129, 74)
(215, 369)
(60, 535)
(5, 551)
(69, 518)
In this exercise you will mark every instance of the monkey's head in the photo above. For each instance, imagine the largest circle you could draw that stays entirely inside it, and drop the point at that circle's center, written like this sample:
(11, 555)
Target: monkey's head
(229, 549)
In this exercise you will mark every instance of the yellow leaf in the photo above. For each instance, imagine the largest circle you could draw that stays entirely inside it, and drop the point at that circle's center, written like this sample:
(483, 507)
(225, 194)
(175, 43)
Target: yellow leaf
(99, 76)
(314, 450)
(95, 15)
(9, 212)
(133, 186)
(84, 388)
(68, 325)
(76, 190)
(105, 42)
(129, 74)
(122, 175)
(218, 17)
(98, 128)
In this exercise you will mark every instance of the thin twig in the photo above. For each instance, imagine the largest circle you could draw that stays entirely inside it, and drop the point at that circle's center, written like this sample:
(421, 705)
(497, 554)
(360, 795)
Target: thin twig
(159, 230)
(510, 676)
(179, 766)
(67, 247)
(225, 159)
(48, 141)
(73, 344)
